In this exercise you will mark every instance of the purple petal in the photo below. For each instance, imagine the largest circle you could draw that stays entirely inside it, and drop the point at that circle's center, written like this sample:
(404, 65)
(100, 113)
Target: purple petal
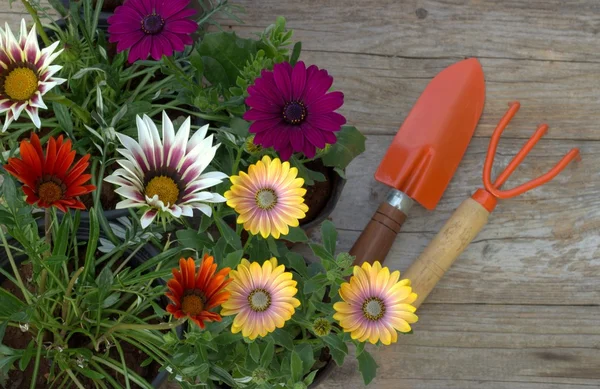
(329, 137)
(142, 48)
(297, 140)
(127, 40)
(123, 28)
(262, 104)
(285, 153)
(266, 138)
(263, 125)
(318, 83)
(126, 15)
(282, 139)
(265, 85)
(331, 121)
(142, 6)
(160, 46)
(328, 103)
(313, 135)
(309, 150)
(282, 72)
(182, 26)
(175, 41)
(148, 217)
(182, 14)
(254, 114)
(298, 80)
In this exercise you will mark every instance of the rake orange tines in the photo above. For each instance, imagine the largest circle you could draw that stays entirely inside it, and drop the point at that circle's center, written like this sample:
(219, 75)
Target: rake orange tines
(488, 197)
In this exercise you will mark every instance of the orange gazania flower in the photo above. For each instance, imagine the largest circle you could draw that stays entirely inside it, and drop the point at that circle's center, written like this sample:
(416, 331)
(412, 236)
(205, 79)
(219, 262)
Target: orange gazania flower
(51, 179)
(195, 294)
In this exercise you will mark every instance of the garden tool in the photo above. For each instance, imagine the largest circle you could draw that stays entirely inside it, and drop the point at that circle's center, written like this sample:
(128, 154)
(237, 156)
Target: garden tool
(425, 153)
(472, 215)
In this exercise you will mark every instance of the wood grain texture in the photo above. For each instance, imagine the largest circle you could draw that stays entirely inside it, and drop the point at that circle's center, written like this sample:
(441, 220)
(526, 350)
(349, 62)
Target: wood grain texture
(519, 309)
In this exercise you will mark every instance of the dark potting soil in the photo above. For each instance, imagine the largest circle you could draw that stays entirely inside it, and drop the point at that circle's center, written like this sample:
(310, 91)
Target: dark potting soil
(108, 197)
(317, 195)
(16, 339)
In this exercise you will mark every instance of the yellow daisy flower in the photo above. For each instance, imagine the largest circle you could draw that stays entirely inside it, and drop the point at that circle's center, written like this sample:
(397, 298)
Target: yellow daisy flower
(375, 305)
(269, 199)
(262, 298)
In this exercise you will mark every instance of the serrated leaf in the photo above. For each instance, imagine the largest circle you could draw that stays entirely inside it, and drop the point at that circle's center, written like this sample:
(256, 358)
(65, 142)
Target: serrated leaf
(296, 367)
(315, 283)
(321, 252)
(283, 338)
(367, 366)
(305, 351)
(297, 263)
(329, 235)
(296, 235)
(254, 351)
(229, 234)
(267, 355)
(193, 239)
(350, 144)
(337, 348)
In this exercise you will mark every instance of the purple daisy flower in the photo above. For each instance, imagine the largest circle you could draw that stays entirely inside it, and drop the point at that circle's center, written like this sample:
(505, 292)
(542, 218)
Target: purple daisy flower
(152, 27)
(292, 111)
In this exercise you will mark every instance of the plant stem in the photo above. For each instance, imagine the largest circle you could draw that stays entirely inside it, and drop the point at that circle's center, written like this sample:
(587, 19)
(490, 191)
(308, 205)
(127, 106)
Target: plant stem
(38, 354)
(75, 380)
(38, 22)
(250, 236)
(236, 164)
(126, 326)
(14, 268)
(48, 239)
(65, 307)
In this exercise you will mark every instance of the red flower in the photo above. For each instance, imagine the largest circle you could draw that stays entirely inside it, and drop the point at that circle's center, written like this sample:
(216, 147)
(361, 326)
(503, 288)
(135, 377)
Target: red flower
(51, 180)
(194, 295)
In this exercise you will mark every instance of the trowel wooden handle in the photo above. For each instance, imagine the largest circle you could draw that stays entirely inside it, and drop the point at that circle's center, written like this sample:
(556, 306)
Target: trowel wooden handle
(463, 226)
(377, 238)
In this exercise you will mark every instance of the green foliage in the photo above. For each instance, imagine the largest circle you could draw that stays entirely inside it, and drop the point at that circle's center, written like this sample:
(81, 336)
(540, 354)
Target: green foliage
(350, 144)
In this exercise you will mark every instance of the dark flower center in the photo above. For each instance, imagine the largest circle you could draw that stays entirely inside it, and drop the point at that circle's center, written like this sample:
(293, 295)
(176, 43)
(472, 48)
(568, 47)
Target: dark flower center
(153, 24)
(294, 112)
(193, 302)
(49, 192)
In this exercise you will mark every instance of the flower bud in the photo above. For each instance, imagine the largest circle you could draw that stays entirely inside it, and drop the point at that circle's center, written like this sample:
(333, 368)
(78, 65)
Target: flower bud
(321, 327)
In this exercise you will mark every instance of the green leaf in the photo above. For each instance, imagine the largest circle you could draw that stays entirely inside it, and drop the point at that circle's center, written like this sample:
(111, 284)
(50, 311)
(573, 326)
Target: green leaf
(229, 234)
(350, 144)
(254, 350)
(222, 375)
(321, 252)
(93, 374)
(337, 348)
(197, 64)
(9, 304)
(315, 283)
(202, 372)
(225, 52)
(193, 239)
(296, 235)
(92, 244)
(111, 300)
(267, 355)
(272, 246)
(297, 263)
(367, 366)
(296, 367)
(27, 354)
(56, 259)
(65, 121)
(147, 362)
(10, 193)
(305, 351)
(329, 234)
(239, 127)
(105, 279)
(233, 259)
(310, 377)
(283, 338)
(295, 53)
(3, 330)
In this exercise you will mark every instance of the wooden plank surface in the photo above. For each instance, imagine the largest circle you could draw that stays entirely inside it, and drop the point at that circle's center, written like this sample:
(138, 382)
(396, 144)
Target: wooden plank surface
(520, 308)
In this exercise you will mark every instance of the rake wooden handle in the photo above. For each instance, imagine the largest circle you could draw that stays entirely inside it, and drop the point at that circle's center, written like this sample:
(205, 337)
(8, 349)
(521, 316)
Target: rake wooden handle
(377, 238)
(464, 225)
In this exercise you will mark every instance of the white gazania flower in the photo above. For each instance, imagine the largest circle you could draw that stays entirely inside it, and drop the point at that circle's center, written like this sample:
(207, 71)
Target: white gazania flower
(25, 74)
(166, 175)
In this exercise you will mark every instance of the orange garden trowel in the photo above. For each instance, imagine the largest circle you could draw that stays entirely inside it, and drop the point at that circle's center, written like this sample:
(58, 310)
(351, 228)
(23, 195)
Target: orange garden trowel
(425, 153)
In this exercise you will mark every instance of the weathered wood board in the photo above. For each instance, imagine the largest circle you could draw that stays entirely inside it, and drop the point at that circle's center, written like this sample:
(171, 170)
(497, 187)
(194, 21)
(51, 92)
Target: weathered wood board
(520, 308)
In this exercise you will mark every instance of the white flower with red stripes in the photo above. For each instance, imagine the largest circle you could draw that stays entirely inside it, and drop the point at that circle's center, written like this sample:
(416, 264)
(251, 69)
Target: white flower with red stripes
(165, 177)
(26, 74)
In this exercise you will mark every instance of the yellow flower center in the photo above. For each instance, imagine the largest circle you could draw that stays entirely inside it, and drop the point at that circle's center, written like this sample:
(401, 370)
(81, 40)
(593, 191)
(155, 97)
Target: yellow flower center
(166, 189)
(373, 309)
(20, 84)
(49, 192)
(192, 305)
(266, 199)
(259, 300)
